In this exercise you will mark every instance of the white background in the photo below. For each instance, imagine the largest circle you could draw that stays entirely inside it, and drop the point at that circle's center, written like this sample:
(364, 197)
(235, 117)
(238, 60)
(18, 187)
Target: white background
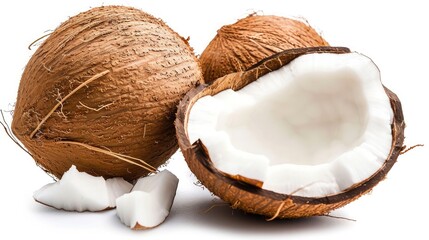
(393, 33)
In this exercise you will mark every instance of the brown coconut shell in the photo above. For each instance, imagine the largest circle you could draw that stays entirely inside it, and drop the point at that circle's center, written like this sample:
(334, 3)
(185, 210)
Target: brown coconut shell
(238, 46)
(247, 195)
(101, 93)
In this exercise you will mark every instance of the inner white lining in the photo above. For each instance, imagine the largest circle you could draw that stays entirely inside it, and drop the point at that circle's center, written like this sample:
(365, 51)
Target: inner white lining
(313, 128)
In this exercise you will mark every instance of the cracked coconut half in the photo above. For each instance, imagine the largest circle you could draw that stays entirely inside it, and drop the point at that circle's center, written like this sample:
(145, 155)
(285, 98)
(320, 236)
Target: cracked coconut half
(299, 134)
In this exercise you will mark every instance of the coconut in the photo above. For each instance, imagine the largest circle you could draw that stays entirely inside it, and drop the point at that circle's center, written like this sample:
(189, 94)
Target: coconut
(101, 93)
(238, 46)
(299, 134)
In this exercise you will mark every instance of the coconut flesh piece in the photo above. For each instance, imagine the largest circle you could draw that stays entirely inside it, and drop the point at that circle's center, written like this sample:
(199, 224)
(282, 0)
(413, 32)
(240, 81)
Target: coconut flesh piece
(312, 128)
(79, 191)
(149, 202)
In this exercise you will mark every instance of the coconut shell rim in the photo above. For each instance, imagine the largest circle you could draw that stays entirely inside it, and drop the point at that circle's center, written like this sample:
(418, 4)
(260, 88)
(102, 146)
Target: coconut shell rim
(261, 68)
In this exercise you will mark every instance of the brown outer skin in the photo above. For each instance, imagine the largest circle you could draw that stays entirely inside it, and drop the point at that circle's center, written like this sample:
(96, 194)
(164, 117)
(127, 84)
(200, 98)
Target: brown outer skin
(150, 69)
(251, 198)
(238, 46)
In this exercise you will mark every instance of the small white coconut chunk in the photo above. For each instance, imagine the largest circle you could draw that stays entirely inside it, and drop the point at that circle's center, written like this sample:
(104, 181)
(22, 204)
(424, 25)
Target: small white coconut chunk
(79, 191)
(149, 202)
(314, 127)
(117, 187)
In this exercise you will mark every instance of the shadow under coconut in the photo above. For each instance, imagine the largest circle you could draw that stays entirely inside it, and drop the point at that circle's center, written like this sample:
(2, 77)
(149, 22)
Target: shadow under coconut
(214, 213)
(67, 219)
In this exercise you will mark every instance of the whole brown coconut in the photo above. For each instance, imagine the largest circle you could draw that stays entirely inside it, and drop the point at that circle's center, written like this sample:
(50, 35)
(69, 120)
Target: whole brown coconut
(238, 46)
(101, 93)
(242, 193)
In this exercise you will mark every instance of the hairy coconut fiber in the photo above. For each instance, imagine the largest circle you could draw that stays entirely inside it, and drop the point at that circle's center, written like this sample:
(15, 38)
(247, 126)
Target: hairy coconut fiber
(101, 93)
(238, 46)
(247, 196)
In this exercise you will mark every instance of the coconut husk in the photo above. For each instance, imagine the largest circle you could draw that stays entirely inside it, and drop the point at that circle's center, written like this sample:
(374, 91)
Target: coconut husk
(101, 93)
(238, 46)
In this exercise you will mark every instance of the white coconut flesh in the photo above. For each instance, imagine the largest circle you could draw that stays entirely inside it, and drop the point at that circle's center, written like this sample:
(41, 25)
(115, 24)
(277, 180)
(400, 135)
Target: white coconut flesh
(79, 191)
(149, 202)
(117, 187)
(312, 128)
